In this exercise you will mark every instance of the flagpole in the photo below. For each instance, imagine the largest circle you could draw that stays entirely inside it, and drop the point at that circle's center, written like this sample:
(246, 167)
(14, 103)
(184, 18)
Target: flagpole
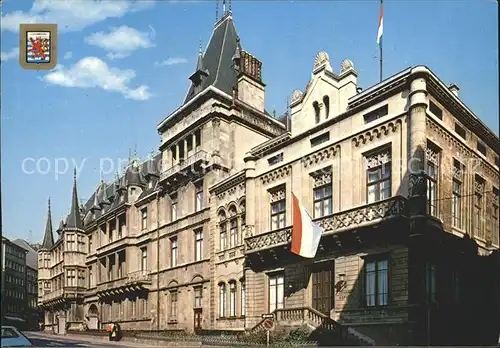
(381, 59)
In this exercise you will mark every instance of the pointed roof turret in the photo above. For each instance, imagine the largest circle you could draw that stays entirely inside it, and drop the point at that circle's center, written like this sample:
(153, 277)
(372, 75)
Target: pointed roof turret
(201, 72)
(217, 60)
(48, 238)
(74, 219)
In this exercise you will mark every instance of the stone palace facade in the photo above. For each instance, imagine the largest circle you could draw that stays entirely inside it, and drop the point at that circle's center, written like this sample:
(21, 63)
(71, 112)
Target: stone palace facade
(403, 177)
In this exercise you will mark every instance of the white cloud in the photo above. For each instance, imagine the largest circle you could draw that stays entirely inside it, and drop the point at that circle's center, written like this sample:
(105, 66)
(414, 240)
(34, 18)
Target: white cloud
(68, 55)
(120, 42)
(71, 15)
(171, 61)
(92, 72)
(12, 54)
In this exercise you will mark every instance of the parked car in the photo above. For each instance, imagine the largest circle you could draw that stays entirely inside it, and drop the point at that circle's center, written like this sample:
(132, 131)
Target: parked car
(12, 337)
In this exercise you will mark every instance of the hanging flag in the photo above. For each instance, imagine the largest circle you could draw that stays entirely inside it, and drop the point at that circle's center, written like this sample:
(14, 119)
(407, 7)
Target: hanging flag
(306, 234)
(380, 22)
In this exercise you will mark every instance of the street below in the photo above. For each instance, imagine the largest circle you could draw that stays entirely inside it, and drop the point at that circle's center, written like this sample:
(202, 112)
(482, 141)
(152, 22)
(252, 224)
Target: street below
(48, 340)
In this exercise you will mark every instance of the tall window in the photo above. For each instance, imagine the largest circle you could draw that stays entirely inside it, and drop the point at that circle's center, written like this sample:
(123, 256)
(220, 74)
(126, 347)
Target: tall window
(278, 214)
(144, 259)
(144, 218)
(198, 244)
(430, 281)
(233, 232)
(198, 296)
(70, 243)
(232, 299)
(70, 277)
(432, 180)
(173, 305)
(478, 208)
(456, 204)
(121, 264)
(173, 251)
(378, 177)
(316, 112)
(243, 297)
(81, 278)
(222, 300)
(174, 211)
(326, 102)
(322, 200)
(223, 234)
(376, 283)
(112, 229)
(91, 278)
(276, 292)
(199, 196)
(90, 245)
(122, 223)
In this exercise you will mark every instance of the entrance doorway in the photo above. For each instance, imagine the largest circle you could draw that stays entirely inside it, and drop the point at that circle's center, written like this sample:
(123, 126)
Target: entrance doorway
(322, 279)
(93, 316)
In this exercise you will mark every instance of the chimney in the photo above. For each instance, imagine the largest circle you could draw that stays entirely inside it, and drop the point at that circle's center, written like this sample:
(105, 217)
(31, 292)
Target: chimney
(453, 88)
(251, 89)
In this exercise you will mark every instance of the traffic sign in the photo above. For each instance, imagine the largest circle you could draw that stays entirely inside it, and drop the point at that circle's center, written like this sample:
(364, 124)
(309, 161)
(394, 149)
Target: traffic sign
(268, 316)
(268, 324)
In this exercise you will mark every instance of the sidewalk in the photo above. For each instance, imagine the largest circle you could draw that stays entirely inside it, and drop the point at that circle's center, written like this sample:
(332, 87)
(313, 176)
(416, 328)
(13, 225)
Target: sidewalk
(125, 342)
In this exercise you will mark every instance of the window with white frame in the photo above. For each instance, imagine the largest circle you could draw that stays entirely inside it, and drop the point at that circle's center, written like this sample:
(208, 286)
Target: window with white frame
(173, 207)
(322, 192)
(173, 305)
(70, 242)
(198, 244)
(198, 296)
(173, 252)
(456, 203)
(222, 230)
(70, 277)
(278, 206)
(222, 300)
(144, 218)
(199, 196)
(276, 291)
(376, 282)
(233, 227)
(378, 176)
(232, 298)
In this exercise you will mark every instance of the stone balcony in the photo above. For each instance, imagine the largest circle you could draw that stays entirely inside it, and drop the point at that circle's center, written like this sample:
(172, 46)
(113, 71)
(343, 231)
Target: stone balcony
(134, 281)
(190, 165)
(354, 219)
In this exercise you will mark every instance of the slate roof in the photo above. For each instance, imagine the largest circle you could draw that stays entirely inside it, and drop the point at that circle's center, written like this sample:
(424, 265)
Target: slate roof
(31, 255)
(218, 59)
(74, 219)
(48, 238)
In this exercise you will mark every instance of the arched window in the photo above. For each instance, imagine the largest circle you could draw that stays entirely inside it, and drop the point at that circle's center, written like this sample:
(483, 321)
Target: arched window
(316, 111)
(222, 300)
(233, 226)
(222, 230)
(243, 218)
(232, 298)
(326, 101)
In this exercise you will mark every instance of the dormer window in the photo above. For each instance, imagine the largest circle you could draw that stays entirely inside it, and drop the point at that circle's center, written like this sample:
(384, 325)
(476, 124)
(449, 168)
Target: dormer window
(326, 101)
(316, 112)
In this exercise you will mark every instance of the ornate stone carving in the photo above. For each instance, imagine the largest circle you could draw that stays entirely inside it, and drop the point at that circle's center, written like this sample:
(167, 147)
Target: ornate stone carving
(296, 96)
(277, 194)
(479, 186)
(322, 177)
(276, 174)
(378, 159)
(319, 156)
(216, 122)
(432, 156)
(417, 184)
(321, 58)
(450, 140)
(371, 213)
(267, 125)
(376, 133)
(346, 64)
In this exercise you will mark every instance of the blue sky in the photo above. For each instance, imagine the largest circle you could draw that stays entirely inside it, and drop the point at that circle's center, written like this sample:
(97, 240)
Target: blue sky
(125, 66)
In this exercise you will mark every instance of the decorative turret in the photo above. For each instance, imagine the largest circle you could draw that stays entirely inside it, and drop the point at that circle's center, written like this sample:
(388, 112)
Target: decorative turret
(201, 72)
(74, 220)
(48, 238)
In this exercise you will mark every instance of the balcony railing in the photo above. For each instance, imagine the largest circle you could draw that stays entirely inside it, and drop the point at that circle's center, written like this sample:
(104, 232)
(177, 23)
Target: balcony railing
(53, 294)
(356, 217)
(199, 155)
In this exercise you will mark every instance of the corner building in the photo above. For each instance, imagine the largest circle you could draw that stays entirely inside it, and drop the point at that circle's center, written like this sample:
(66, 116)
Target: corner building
(403, 178)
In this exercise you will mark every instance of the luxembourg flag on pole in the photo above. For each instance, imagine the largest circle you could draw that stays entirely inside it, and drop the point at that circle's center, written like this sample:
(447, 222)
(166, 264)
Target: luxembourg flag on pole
(380, 22)
(306, 234)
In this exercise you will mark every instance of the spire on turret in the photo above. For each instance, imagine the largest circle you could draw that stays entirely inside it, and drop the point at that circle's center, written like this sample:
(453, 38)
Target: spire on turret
(74, 219)
(48, 238)
(201, 72)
